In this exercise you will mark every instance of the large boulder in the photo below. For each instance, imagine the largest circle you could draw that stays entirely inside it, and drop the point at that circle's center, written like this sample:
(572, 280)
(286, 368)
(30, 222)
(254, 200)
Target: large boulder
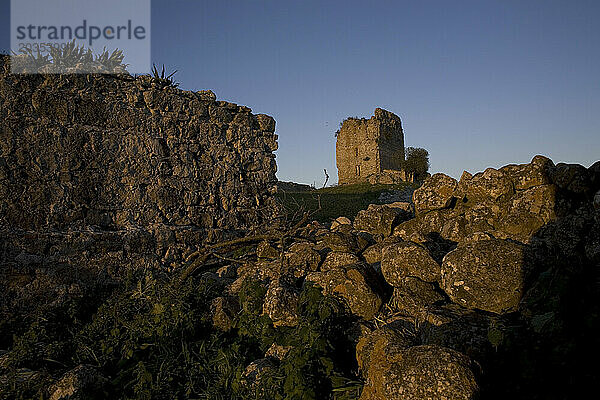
(301, 259)
(337, 259)
(344, 241)
(491, 184)
(414, 298)
(380, 219)
(356, 283)
(470, 332)
(339, 221)
(525, 176)
(487, 275)
(437, 192)
(539, 200)
(374, 254)
(594, 172)
(408, 259)
(421, 372)
(381, 347)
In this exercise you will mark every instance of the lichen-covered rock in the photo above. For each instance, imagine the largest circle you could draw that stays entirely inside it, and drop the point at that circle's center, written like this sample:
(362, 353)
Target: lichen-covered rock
(470, 332)
(422, 372)
(408, 259)
(373, 254)
(281, 304)
(336, 259)
(343, 241)
(301, 259)
(592, 243)
(380, 219)
(594, 173)
(357, 284)
(487, 275)
(519, 225)
(381, 347)
(525, 176)
(413, 297)
(491, 184)
(436, 193)
(539, 200)
(81, 383)
(340, 221)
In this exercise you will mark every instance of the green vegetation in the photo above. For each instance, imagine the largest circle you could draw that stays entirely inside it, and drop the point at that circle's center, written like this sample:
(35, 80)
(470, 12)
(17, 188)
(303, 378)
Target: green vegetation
(337, 201)
(153, 339)
(417, 162)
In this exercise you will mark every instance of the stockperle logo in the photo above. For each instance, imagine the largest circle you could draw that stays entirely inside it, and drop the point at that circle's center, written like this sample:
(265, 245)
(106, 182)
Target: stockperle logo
(80, 36)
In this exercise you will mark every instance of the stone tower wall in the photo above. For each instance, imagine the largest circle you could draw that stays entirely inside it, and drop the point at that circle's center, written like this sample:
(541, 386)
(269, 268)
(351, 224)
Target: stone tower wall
(365, 148)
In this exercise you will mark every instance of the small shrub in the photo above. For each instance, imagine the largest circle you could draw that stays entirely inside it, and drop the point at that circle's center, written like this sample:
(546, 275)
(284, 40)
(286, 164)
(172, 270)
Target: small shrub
(162, 79)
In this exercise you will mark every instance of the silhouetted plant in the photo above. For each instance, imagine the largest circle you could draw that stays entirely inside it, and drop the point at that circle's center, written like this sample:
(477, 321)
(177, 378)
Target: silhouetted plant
(417, 162)
(112, 60)
(162, 79)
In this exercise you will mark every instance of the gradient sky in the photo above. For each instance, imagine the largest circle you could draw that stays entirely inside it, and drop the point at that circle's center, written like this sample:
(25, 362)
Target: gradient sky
(477, 83)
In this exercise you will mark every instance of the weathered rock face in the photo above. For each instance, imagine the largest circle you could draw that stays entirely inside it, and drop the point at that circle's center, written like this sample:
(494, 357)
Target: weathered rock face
(368, 148)
(118, 153)
(417, 372)
(488, 275)
(513, 202)
(355, 283)
(413, 297)
(380, 219)
(408, 259)
(436, 193)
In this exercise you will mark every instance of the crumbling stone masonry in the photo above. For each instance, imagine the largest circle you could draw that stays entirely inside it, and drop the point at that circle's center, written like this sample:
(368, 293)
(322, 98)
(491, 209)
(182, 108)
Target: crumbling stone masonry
(371, 150)
(120, 154)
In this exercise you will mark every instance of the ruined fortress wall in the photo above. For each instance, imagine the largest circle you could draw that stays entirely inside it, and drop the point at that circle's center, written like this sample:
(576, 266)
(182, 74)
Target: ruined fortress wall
(118, 153)
(391, 140)
(356, 150)
(368, 147)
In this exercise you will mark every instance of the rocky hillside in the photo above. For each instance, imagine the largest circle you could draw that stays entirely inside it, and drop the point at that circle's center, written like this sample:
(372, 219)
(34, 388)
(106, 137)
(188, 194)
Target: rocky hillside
(487, 287)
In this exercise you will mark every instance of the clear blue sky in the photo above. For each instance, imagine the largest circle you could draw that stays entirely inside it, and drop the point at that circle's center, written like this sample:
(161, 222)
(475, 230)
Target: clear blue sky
(477, 83)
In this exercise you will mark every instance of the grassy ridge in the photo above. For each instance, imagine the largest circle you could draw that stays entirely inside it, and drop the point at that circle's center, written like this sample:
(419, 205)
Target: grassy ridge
(337, 201)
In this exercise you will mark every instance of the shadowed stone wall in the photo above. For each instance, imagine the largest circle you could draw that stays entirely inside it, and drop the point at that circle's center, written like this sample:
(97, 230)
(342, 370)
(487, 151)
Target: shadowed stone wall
(367, 148)
(117, 153)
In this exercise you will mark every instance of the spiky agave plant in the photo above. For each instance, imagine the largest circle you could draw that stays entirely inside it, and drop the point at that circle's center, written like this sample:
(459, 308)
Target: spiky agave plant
(37, 60)
(71, 54)
(112, 60)
(162, 79)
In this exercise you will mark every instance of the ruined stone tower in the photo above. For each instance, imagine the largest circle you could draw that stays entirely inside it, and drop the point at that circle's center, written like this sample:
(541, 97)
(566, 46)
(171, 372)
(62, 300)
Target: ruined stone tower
(370, 150)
